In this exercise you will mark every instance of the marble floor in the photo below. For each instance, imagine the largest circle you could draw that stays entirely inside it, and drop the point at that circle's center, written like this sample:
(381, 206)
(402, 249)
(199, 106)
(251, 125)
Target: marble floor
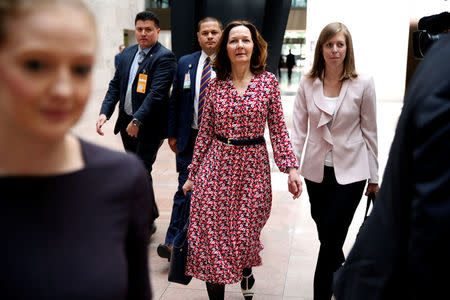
(289, 238)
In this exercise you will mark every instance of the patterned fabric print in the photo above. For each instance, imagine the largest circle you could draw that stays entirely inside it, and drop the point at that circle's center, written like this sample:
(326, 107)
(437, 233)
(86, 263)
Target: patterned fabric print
(232, 194)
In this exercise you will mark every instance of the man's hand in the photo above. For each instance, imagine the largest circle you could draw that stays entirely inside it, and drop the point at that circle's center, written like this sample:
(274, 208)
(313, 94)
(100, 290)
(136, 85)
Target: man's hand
(101, 120)
(132, 130)
(173, 145)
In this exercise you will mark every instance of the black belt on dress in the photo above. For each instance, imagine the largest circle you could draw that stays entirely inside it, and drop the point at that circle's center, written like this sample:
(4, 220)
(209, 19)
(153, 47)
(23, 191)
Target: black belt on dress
(241, 142)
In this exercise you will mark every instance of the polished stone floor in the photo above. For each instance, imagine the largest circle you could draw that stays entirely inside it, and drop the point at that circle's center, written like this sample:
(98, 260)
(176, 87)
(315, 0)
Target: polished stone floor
(289, 238)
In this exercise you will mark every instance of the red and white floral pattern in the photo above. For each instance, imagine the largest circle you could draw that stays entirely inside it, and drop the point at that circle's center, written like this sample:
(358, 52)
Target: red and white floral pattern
(232, 196)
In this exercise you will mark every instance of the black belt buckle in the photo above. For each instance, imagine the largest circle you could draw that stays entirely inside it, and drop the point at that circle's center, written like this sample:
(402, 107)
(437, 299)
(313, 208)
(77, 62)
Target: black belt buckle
(244, 142)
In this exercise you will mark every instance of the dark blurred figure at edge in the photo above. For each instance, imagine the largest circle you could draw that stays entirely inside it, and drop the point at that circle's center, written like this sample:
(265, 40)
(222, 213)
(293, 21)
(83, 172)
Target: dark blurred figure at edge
(141, 85)
(290, 63)
(403, 250)
(116, 58)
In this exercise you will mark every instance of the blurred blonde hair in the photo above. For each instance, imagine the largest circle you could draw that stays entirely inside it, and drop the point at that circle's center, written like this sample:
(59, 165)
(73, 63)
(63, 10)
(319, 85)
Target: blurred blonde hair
(14, 9)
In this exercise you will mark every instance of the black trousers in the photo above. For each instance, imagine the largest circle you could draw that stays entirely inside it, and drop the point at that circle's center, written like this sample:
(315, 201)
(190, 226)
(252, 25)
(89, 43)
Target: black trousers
(289, 74)
(183, 160)
(332, 208)
(146, 147)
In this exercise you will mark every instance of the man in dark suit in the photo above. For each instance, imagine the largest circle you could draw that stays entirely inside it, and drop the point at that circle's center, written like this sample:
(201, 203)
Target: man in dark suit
(290, 63)
(141, 86)
(116, 58)
(183, 116)
(403, 250)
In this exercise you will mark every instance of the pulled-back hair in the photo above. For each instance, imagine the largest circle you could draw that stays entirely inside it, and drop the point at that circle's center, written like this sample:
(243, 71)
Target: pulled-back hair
(318, 68)
(222, 63)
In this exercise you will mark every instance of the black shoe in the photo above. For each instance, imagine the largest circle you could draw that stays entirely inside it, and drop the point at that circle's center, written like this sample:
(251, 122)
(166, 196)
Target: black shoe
(248, 287)
(152, 229)
(164, 251)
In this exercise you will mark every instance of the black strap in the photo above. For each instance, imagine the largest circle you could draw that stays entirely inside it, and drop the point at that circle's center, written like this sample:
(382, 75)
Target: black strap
(370, 198)
(241, 142)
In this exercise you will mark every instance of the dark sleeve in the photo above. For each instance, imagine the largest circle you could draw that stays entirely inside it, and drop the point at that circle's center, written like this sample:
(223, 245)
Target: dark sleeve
(112, 95)
(138, 236)
(159, 86)
(175, 102)
(429, 242)
(116, 60)
(403, 247)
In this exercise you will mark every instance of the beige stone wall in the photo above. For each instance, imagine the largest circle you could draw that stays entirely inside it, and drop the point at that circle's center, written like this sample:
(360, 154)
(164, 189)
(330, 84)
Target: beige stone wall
(113, 17)
(297, 19)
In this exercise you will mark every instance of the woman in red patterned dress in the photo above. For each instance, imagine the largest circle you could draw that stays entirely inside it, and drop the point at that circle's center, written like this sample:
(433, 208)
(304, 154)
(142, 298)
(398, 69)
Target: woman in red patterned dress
(230, 171)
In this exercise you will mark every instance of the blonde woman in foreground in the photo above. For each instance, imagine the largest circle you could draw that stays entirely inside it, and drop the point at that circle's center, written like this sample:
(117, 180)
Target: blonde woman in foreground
(67, 234)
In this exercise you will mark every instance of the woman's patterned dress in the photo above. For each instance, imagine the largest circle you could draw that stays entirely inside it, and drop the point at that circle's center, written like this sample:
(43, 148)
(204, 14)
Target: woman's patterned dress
(232, 196)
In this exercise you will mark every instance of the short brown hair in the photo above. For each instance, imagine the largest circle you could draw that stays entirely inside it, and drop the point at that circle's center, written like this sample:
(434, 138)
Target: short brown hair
(222, 64)
(14, 9)
(318, 68)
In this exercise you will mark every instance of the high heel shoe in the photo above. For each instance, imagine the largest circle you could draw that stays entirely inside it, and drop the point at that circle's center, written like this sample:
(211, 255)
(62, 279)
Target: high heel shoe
(248, 287)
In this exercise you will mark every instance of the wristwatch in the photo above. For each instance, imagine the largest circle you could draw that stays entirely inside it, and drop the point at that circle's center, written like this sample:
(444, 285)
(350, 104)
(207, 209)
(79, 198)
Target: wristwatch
(136, 122)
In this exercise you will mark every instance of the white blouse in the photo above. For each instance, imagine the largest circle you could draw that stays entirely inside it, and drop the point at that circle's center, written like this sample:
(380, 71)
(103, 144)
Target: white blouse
(331, 102)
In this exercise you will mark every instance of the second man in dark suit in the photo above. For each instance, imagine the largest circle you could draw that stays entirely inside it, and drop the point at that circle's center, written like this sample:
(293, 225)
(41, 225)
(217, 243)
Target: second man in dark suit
(184, 115)
(141, 86)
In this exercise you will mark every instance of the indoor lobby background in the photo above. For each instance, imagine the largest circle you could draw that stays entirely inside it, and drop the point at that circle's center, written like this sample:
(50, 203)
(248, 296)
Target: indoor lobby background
(381, 33)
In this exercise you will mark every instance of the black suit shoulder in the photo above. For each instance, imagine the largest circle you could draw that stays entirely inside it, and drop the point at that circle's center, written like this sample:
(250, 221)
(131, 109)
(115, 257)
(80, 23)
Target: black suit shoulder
(99, 157)
(188, 58)
(162, 51)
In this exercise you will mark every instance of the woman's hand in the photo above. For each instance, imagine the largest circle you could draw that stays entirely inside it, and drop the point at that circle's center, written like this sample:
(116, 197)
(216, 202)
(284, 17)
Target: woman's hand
(294, 183)
(187, 186)
(372, 188)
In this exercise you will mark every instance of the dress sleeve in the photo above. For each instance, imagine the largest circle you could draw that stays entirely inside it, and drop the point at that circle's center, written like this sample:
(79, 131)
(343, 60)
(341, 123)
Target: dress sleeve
(138, 236)
(279, 136)
(369, 128)
(205, 134)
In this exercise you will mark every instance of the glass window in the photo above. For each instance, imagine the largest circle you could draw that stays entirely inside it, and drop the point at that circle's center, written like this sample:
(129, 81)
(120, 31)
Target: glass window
(298, 3)
(158, 3)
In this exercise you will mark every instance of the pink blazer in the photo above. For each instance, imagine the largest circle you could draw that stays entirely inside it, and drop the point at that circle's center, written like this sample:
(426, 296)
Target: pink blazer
(352, 137)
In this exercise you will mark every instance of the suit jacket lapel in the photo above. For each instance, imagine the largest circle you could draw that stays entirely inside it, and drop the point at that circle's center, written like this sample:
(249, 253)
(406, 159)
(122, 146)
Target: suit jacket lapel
(193, 73)
(319, 100)
(342, 94)
(147, 59)
(129, 60)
